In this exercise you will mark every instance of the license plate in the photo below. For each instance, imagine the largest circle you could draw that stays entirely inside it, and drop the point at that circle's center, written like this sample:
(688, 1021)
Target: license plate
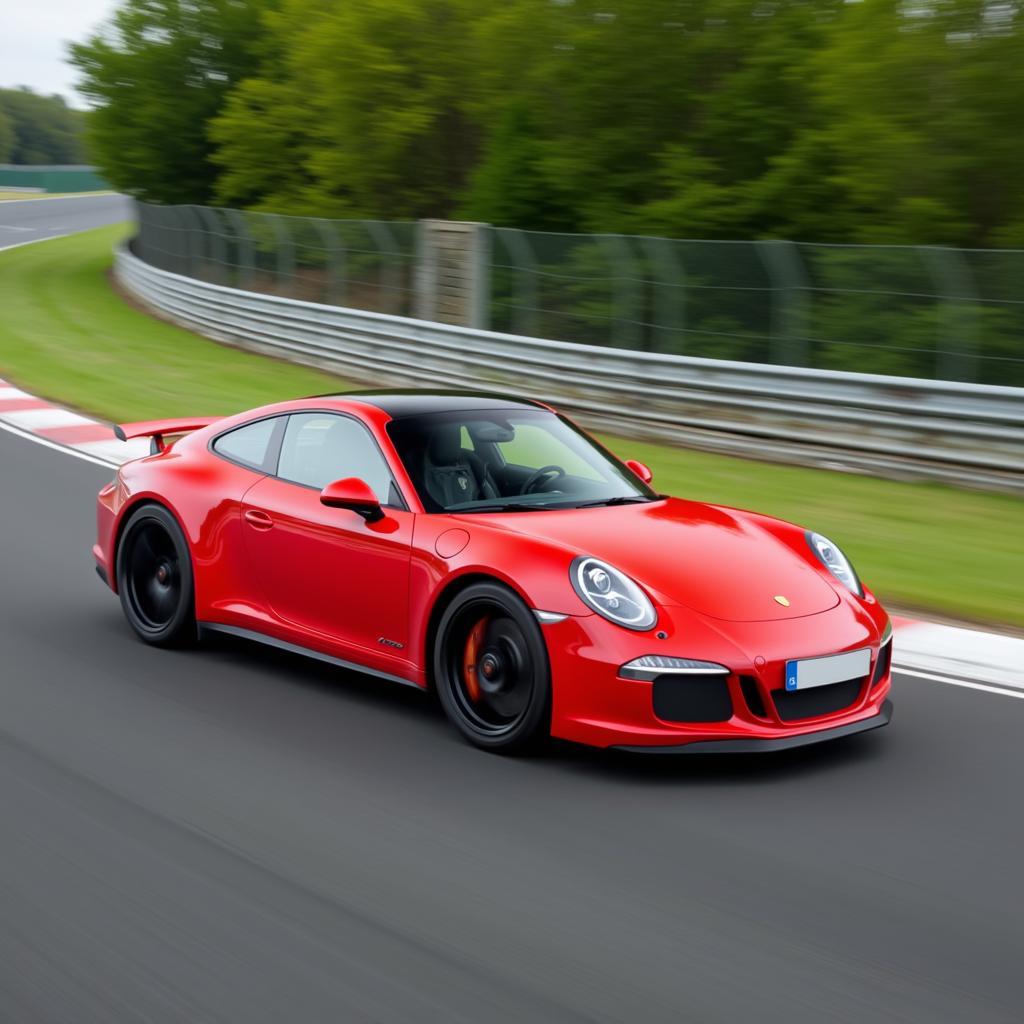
(833, 668)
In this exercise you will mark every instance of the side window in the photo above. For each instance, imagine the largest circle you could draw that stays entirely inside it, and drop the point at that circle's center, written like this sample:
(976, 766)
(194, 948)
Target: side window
(248, 445)
(320, 447)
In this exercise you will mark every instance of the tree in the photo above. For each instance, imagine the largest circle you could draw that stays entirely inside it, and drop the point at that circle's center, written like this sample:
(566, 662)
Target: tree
(6, 136)
(158, 73)
(371, 99)
(39, 129)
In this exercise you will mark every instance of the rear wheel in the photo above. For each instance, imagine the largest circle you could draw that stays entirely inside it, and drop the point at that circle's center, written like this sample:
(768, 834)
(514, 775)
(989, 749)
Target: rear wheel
(491, 669)
(154, 578)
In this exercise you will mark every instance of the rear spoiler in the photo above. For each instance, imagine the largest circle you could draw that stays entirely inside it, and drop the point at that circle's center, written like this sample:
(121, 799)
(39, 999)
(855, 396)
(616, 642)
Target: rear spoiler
(158, 429)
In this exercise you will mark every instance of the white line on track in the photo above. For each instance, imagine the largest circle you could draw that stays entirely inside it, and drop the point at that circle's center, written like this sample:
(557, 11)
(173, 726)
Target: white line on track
(58, 199)
(984, 687)
(32, 241)
(56, 446)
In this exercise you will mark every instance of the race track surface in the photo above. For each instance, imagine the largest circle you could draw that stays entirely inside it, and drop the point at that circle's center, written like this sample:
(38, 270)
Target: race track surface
(32, 220)
(234, 834)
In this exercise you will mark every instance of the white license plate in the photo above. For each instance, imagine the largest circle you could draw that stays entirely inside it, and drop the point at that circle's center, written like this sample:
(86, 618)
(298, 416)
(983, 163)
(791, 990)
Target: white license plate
(833, 668)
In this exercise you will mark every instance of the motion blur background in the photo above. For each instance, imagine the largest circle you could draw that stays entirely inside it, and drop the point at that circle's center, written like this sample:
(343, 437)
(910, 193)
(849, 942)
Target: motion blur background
(817, 184)
(775, 250)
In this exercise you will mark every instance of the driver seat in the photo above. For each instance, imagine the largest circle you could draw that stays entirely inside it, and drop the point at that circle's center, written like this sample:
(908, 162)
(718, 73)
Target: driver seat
(451, 474)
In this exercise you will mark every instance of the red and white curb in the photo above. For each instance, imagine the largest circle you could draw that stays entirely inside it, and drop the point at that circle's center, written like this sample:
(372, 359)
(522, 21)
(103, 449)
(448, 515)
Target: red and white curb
(991, 662)
(43, 421)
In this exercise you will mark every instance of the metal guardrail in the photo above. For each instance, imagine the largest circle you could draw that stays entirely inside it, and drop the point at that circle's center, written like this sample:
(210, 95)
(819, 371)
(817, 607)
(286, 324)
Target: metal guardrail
(910, 311)
(966, 434)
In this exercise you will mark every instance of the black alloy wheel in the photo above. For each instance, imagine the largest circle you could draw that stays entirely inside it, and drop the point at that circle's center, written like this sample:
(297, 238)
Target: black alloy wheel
(491, 669)
(154, 578)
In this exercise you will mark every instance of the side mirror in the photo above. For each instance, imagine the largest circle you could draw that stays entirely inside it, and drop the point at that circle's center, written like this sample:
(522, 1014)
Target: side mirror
(640, 470)
(355, 495)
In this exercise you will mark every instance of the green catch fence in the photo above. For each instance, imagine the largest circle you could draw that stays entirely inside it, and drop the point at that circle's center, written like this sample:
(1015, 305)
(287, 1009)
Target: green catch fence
(917, 311)
(51, 178)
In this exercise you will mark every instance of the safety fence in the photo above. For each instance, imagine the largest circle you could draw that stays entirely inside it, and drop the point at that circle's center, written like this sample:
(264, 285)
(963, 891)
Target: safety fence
(915, 311)
(51, 178)
(968, 434)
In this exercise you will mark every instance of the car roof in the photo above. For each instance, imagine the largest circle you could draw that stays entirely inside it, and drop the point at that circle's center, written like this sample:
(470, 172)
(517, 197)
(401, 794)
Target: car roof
(399, 403)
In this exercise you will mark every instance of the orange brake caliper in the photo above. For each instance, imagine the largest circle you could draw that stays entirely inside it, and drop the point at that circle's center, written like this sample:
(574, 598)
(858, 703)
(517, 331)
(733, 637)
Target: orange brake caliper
(473, 643)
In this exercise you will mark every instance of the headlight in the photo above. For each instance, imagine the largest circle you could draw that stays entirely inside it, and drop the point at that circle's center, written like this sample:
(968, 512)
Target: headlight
(611, 593)
(836, 562)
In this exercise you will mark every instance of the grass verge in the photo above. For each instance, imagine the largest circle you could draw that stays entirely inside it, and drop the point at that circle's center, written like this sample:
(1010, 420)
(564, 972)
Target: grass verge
(66, 335)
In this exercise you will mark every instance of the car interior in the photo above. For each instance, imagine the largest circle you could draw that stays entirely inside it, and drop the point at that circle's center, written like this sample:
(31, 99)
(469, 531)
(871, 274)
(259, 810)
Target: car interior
(459, 462)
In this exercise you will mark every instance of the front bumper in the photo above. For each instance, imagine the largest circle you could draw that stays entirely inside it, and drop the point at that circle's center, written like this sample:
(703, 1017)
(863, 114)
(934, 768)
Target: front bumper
(763, 746)
(593, 704)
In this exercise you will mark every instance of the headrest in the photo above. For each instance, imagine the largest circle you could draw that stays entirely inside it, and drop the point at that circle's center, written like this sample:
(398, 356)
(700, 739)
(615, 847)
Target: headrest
(445, 446)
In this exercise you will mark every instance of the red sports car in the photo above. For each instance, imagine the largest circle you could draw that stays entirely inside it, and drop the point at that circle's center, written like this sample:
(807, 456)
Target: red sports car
(488, 549)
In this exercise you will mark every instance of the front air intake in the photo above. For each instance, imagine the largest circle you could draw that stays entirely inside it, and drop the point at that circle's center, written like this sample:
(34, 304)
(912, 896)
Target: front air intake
(883, 664)
(822, 700)
(692, 698)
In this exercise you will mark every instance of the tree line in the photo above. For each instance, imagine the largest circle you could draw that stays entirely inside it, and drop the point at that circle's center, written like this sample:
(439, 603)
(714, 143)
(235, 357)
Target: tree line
(37, 129)
(895, 121)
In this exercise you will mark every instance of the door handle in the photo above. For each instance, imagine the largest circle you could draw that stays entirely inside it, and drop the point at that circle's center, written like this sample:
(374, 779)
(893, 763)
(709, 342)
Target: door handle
(257, 519)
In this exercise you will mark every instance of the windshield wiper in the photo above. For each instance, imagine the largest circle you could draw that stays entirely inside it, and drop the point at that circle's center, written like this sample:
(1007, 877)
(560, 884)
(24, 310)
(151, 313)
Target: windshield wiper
(623, 499)
(510, 506)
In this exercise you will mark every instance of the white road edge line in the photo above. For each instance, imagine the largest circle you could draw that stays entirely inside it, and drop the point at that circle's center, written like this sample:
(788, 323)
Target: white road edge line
(58, 199)
(984, 687)
(56, 446)
(33, 241)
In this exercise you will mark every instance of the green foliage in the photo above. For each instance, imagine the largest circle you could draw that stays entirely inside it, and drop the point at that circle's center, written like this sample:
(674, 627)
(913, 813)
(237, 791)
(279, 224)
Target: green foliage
(38, 129)
(825, 120)
(158, 73)
(6, 137)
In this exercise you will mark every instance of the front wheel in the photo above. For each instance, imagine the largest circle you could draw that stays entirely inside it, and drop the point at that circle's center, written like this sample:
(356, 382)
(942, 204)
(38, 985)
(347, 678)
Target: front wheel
(491, 669)
(154, 578)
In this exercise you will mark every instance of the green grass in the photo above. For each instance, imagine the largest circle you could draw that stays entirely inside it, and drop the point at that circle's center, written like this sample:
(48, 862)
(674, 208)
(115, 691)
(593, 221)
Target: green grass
(66, 335)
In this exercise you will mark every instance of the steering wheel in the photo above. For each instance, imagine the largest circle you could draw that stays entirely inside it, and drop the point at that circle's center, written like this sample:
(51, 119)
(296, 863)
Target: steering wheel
(545, 472)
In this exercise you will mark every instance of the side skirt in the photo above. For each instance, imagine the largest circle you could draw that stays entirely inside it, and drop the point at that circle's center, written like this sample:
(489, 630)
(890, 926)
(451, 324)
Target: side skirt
(309, 652)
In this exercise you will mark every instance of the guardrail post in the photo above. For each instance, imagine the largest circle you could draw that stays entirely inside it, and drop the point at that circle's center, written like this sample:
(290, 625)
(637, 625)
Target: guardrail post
(526, 308)
(626, 321)
(285, 252)
(669, 295)
(956, 358)
(243, 247)
(385, 242)
(196, 240)
(143, 225)
(216, 246)
(333, 246)
(789, 301)
(480, 278)
(426, 273)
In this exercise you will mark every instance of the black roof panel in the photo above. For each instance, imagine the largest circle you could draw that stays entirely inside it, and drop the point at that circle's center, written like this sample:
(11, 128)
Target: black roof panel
(399, 403)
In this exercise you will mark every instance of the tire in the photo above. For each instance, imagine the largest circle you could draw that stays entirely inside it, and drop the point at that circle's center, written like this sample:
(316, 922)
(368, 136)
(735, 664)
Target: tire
(155, 580)
(491, 669)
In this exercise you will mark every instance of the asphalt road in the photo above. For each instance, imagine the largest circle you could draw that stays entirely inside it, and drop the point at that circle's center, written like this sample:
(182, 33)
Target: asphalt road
(31, 220)
(234, 834)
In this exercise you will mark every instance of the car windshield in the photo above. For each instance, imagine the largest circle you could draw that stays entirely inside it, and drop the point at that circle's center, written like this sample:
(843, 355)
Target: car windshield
(509, 460)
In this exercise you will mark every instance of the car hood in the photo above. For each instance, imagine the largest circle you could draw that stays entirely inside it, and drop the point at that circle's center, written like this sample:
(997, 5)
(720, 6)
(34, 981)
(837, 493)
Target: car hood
(720, 562)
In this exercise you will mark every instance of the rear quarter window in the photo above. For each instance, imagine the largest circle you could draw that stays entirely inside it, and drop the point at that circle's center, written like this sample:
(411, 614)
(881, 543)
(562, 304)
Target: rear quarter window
(248, 445)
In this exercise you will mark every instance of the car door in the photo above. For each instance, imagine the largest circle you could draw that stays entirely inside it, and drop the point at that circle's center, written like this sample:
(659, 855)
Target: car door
(328, 571)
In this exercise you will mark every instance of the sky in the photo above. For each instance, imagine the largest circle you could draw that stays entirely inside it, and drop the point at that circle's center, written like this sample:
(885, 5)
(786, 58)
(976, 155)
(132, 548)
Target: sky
(33, 42)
